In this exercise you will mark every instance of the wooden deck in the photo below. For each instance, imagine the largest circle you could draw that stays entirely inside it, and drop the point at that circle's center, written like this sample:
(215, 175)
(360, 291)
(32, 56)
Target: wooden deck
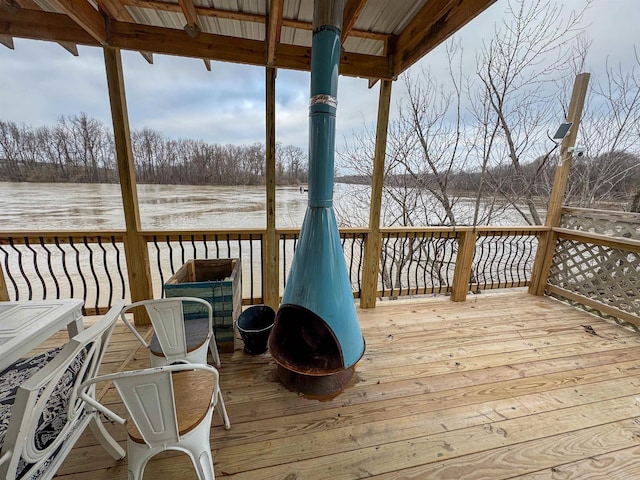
(505, 385)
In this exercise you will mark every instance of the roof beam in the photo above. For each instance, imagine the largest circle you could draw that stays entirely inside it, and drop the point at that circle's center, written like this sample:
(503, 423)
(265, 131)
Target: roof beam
(352, 11)
(70, 47)
(40, 25)
(83, 13)
(274, 28)
(116, 11)
(243, 16)
(437, 20)
(207, 64)
(193, 27)
(7, 41)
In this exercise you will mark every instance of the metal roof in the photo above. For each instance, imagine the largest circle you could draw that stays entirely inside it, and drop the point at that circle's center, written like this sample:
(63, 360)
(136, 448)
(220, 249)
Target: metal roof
(381, 38)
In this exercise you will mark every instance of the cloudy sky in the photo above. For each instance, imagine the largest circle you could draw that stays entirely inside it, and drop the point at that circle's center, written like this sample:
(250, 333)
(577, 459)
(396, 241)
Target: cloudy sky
(40, 81)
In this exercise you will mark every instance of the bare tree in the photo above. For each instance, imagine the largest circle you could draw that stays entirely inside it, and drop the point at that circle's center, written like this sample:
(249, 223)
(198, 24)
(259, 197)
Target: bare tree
(290, 164)
(519, 69)
(609, 132)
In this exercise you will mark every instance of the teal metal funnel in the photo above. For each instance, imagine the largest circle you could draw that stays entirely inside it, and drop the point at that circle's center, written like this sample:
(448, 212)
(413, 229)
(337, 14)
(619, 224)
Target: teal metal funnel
(316, 340)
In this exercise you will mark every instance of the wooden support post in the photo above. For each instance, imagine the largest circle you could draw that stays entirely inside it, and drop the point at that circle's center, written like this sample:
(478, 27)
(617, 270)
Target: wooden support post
(135, 247)
(270, 276)
(546, 249)
(464, 261)
(4, 291)
(371, 268)
(541, 265)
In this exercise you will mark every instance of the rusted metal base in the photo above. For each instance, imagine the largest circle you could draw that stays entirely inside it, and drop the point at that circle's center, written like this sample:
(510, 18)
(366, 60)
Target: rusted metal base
(315, 384)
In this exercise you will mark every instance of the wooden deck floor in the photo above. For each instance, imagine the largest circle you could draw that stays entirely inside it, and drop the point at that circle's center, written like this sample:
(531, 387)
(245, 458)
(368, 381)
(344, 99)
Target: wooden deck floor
(505, 385)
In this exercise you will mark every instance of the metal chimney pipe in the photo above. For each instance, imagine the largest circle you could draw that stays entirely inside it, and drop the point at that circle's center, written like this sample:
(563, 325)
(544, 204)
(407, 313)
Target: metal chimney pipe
(316, 340)
(325, 58)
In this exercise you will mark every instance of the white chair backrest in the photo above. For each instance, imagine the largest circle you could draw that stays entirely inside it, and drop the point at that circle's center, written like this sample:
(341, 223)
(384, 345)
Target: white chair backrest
(149, 398)
(167, 318)
(51, 393)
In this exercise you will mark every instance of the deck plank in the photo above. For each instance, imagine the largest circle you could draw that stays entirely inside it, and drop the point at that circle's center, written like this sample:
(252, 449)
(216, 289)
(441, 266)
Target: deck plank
(503, 385)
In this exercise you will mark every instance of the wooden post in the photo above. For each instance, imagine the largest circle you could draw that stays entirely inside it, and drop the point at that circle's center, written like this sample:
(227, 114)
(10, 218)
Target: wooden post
(371, 267)
(135, 246)
(270, 274)
(464, 261)
(554, 211)
(4, 291)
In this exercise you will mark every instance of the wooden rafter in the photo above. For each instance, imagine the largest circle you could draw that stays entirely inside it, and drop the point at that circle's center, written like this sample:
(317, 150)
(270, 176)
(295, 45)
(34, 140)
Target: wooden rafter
(435, 22)
(83, 13)
(7, 41)
(70, 47)
(188, 9)
(243, 17)
(352, 11)
(207, 64)
(117, 11)
(40, 25)
(274, 28)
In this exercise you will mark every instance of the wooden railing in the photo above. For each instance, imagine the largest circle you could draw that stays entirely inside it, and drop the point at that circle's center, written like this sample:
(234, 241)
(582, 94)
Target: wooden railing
(413, 261)
(594, 261)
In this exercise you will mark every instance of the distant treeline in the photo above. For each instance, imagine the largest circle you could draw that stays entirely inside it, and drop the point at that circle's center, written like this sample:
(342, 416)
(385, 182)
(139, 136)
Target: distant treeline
(81, 149)
(614, 176)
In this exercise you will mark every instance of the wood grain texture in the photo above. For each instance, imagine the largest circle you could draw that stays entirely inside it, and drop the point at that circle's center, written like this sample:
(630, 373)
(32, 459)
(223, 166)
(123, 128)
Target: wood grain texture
(137, 254)
(371, 268)
(503, 385)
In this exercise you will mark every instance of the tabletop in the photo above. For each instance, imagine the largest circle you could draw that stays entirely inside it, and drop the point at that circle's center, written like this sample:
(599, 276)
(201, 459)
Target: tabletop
(26, 324)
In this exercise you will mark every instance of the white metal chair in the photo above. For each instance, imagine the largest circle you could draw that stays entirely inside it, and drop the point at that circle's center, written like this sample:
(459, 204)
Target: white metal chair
(170, 408)
(176, 338)
(46, 417)
(5, 457)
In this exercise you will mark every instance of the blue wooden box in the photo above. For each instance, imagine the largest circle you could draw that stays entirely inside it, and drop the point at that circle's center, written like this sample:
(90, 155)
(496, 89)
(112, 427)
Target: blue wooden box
(217, 281)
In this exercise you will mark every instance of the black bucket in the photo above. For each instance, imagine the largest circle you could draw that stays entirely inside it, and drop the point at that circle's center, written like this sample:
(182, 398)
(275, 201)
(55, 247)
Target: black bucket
(254, 325)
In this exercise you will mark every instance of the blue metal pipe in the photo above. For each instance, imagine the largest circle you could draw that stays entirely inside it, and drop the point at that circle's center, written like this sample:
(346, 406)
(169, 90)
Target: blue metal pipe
(318, 280)
(325, 58)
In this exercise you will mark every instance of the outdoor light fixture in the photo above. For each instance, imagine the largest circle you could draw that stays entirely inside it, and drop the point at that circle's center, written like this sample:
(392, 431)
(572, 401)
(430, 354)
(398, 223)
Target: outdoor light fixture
(578, 150)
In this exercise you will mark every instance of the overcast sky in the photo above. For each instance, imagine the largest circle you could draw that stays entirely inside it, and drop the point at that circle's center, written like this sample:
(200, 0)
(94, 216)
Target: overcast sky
(40, 81)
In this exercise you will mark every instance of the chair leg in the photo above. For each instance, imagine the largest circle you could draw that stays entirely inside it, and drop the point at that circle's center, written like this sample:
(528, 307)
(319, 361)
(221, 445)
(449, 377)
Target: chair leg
(197, 445)
(105, 439)
(204, 464)
(222, 410)
(138, 456)
(213, 347)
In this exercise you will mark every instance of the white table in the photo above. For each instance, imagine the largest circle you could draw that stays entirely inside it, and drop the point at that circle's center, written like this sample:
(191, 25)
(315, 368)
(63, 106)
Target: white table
(25, 325)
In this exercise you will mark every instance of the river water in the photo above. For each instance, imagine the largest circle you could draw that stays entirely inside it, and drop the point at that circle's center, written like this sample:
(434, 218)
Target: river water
(73, 206)
(79, 206)
(98, 207)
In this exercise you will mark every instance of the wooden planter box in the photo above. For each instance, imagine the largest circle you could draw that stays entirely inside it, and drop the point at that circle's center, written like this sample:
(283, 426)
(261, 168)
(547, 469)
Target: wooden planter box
(218, 282)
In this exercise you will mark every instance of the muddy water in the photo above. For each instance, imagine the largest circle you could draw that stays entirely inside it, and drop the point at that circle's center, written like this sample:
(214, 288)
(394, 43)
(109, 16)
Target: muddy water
(56, 206)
